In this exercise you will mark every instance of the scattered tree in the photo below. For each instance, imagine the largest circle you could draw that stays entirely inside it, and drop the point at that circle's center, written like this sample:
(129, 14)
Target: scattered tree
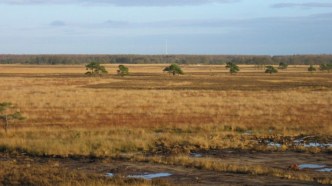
(233, 68)
(283, 65)
(123, 70)
(173, 69)
(325, 67)
(270, 69)
(94, 69)
(8, 113)
(311, 68)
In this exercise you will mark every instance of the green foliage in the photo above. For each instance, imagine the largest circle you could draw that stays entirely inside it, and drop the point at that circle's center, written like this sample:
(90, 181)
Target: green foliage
(325, 67)
(270, 69)
(4, 106)
(173, 69)
(282, 65)
(95, 68)
(7, 113)
(311, 68)
(161, 59)
(123, 70)
(233, 68)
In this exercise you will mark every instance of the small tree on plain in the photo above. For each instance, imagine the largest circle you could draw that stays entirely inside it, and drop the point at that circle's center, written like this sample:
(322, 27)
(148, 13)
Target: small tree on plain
(283, 65)
(325, 67)
(8, 113)
(95, 68)
(311, 68)
(270, 69)
(123, 70)
(233, 68)
(173, 69)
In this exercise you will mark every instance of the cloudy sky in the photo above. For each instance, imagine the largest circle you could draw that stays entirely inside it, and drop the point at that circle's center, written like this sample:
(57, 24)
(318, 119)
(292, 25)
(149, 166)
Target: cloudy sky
(145, 26)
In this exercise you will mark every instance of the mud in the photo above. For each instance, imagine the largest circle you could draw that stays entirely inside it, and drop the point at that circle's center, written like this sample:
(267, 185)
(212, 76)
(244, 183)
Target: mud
(281, 160)
(182, 175)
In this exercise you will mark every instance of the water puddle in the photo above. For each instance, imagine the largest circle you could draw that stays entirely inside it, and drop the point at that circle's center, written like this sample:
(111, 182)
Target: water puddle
(317, 145)
(196, 155)
(315, 167)
(150, 176)
(300, 142)
(311, 166)
(147, 176)
(249, 132)
(273, 144)
(110, 174)
(325, 170)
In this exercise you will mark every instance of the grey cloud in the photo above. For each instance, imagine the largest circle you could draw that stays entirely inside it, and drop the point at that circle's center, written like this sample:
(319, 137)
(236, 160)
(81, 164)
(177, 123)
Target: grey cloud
(302, 5)
(119, 2)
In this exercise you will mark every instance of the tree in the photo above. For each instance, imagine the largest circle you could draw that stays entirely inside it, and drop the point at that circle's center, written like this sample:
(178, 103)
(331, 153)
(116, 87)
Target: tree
(173, 69)
(123, 70)
(7, 113)
(95, 68)
(282, 65)
(270, 69)
(233, 68)
(326, 67)
(311, 68)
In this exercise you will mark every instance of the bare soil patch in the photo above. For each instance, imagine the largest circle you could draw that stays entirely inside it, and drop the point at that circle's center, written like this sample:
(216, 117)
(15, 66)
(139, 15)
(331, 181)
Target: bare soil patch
(179, 175)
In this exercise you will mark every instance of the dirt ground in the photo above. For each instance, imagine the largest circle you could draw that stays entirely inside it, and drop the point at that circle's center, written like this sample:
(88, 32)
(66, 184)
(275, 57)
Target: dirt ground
(182, 175)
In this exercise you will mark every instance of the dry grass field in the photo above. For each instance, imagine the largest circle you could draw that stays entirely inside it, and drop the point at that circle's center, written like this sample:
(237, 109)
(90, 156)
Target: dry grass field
(152, 117)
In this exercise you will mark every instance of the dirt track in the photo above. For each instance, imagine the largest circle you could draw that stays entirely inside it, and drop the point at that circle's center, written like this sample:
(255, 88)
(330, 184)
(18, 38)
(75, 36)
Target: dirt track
(179, 174)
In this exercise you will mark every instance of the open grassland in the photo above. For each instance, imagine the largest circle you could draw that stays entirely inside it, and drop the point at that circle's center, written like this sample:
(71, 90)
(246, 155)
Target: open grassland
(153, 117)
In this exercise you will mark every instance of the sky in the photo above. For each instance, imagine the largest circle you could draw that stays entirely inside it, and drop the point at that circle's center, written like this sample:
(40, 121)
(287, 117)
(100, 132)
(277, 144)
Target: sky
(258, 27)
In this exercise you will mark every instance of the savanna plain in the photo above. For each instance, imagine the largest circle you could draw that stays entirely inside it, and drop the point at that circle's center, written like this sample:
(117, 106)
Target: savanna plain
(206, 127)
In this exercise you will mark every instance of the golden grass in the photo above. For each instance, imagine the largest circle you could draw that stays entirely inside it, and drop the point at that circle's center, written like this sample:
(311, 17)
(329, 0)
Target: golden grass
(116, 140)
(68, 113)
(152, 113)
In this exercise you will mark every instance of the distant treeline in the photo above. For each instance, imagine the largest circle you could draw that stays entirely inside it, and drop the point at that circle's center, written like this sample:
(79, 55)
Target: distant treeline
(180, 59)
